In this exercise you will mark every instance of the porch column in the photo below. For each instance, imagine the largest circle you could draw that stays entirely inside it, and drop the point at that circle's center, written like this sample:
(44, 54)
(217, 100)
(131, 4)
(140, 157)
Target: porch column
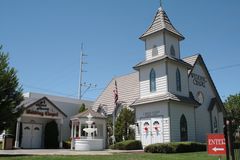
(72, 139)
(79, 129)
(17, 133)
(60, 136)
(75, 130)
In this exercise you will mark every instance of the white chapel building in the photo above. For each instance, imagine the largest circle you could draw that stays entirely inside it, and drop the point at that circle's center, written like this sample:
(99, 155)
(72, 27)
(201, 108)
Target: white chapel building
(174, 98)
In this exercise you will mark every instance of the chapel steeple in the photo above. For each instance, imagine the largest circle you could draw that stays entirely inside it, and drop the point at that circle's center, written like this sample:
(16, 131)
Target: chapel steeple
(161, 22)
(162, 38)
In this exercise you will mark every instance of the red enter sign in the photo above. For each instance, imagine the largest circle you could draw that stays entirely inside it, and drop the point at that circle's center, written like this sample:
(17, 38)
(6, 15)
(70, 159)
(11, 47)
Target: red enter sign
(216, 144)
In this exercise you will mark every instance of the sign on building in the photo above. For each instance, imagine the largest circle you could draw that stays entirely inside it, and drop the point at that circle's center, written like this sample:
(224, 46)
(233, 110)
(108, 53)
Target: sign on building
(216, 144)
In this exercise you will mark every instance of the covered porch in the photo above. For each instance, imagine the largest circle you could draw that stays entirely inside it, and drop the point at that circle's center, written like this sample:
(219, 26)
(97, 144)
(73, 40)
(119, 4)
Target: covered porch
(32, 129)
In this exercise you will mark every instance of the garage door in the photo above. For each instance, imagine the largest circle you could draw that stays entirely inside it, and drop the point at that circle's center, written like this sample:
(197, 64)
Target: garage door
(31, 135)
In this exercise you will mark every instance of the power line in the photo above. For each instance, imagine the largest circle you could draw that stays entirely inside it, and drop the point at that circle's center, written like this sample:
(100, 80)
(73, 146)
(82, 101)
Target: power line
(225, 67)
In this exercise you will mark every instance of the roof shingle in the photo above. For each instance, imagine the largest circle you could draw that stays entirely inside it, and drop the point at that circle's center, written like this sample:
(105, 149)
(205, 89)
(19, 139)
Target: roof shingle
(165, 97)
(161, 22)
(145, 62)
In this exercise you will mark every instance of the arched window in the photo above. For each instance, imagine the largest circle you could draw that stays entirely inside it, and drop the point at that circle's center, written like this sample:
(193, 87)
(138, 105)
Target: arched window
(178, 80)
(172, 51)
(215, 125)
(183, 128)
(154, 51)
(152, 81)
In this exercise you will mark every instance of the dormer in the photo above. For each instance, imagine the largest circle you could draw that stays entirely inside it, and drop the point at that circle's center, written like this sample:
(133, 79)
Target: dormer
(161, 38)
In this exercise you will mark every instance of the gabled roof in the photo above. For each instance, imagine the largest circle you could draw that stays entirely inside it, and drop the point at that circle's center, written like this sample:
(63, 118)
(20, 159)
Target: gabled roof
(191, 59)
(29, 103)
(198, 58)
(87, 112)
(160, 58)
(166, 97)
(128, 92)
(161, 22)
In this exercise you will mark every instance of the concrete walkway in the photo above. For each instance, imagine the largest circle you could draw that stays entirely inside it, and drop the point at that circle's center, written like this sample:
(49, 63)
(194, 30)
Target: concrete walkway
(20, 152)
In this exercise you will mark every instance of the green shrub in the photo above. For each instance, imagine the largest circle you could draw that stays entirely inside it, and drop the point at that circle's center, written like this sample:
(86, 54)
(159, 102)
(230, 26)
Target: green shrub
(127, 145)
(176, 147)
(67, 144)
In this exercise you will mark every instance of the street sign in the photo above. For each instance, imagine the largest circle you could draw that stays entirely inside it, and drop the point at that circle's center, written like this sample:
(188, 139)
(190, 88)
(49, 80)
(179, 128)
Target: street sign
(216, 144)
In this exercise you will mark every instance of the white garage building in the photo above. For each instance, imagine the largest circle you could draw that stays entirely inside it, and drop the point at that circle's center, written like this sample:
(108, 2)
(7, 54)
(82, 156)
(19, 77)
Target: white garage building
(174, 99)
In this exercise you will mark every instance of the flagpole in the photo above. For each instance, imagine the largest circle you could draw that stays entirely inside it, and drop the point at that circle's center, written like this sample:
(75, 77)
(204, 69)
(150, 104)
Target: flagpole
(113, 137)
(114, 111)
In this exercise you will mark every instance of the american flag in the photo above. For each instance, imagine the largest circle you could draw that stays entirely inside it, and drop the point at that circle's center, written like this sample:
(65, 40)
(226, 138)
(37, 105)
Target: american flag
(115, 91)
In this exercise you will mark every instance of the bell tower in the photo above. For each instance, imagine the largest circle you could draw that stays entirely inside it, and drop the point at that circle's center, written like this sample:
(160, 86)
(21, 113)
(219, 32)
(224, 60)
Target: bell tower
(161, 38)
(162, 72)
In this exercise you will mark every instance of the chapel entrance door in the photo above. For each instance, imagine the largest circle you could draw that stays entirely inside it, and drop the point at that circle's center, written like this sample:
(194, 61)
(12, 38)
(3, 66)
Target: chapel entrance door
(31, 135)
(157, 130)
(146, 132)
(152, 131)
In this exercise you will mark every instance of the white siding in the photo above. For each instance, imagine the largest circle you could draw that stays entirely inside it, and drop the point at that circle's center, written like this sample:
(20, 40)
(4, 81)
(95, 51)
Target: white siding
(161, 80)
(176, 111)
(220, 122)
(166, 130)
(203, 125)
(219, 116)
(155, 40)
(159, 109)
(172, 68)
(172, 41)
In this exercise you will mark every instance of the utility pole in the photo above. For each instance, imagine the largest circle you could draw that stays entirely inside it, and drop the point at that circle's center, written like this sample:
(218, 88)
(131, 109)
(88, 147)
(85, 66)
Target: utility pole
(81, 84)
(81, 72)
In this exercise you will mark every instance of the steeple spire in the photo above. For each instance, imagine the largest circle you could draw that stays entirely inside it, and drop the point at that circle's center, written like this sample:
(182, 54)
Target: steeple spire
(161, 22)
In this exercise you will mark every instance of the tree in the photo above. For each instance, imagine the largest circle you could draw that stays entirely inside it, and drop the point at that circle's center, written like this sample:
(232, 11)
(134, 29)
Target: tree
(82, 108)
(123, 122)
(10, 93)
(232, 105)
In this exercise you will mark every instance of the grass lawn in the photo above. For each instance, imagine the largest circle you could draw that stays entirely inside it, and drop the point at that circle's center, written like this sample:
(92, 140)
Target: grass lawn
(123, 156)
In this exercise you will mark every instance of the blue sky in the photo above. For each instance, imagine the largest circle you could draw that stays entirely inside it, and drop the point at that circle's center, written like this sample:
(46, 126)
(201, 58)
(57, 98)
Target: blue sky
(44, 40)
